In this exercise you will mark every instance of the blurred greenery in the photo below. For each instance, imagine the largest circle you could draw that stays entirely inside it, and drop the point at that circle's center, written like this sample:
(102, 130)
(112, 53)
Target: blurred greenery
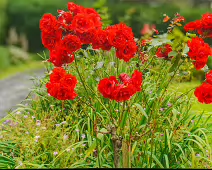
(4, 58)
(25, 15)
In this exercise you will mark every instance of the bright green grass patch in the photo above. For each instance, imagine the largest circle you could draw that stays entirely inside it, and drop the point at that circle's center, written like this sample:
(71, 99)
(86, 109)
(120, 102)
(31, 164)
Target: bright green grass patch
(186, 86)
(20, 68)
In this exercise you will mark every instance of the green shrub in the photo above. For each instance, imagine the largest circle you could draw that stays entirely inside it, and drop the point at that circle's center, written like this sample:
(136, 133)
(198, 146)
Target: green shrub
(4, 57)
(3, 21)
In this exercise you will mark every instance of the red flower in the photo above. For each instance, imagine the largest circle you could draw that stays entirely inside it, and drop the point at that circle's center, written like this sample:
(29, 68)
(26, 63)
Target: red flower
(71, 43)
(192, 26)
(87, 37)
(204, 93)
(199, 51)
(95, 17)
(65, 19)
(59, 73)
(207, 21)
(123, 93)
(48, 23)
(209, 77)
(119, 35)
(112, 89)
(59, 56)
(127, 52)
(82, 23)
(74, 8)
(62, 85)
(107, 86)
(50, 39)
(163, 52)
(137, 80)
(100, 40)
(203, 26)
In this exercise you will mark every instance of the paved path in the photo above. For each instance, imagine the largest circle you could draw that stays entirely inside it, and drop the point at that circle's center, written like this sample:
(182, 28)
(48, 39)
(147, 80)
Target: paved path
(15, 89)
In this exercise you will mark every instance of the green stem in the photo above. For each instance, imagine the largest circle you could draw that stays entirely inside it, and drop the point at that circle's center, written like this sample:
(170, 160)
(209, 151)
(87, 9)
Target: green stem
(83, 83)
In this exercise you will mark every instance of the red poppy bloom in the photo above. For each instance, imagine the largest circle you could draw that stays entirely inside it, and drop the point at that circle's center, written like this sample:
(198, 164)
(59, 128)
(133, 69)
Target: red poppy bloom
(62, 85)
(204, 93)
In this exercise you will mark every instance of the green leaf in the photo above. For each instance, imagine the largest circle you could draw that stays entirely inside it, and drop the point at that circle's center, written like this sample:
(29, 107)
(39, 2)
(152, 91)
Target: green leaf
(209, 64)
(172, 53)
(176, 62)
(167, 161)
(141, 109)
(156, 159)
(90, 150)
(186, 49)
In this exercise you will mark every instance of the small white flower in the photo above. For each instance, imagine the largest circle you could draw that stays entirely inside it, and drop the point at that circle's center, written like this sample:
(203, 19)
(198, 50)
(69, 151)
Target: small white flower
(72, 149)
(55, 153)
(18, 113)
(25, 116)
(83, 144)
(68, 150)
(198, 155)
(37, 137)
(33, 117)
(57, 125)
(64, 122)
(83, 136)
(38, 123)
(27, 133)
(77, 130)
(65, 137)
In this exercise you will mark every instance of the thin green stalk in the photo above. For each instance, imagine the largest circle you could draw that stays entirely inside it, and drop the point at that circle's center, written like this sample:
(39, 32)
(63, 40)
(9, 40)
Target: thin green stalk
(117, 68)
(96, 96)
(83, 83)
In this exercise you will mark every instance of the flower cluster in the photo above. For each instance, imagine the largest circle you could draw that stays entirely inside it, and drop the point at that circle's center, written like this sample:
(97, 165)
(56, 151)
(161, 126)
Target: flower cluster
(203, 26)
(111, 88)
(67, 33)
(204, 92)
(163, 51)
(62, 85)
(199, 52)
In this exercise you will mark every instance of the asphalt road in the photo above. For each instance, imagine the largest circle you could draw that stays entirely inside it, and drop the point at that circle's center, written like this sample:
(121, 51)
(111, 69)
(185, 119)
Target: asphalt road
(15, 89)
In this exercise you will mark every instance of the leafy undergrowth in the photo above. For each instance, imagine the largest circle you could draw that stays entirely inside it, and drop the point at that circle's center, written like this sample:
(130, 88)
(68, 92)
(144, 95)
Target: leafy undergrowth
(47, 136)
